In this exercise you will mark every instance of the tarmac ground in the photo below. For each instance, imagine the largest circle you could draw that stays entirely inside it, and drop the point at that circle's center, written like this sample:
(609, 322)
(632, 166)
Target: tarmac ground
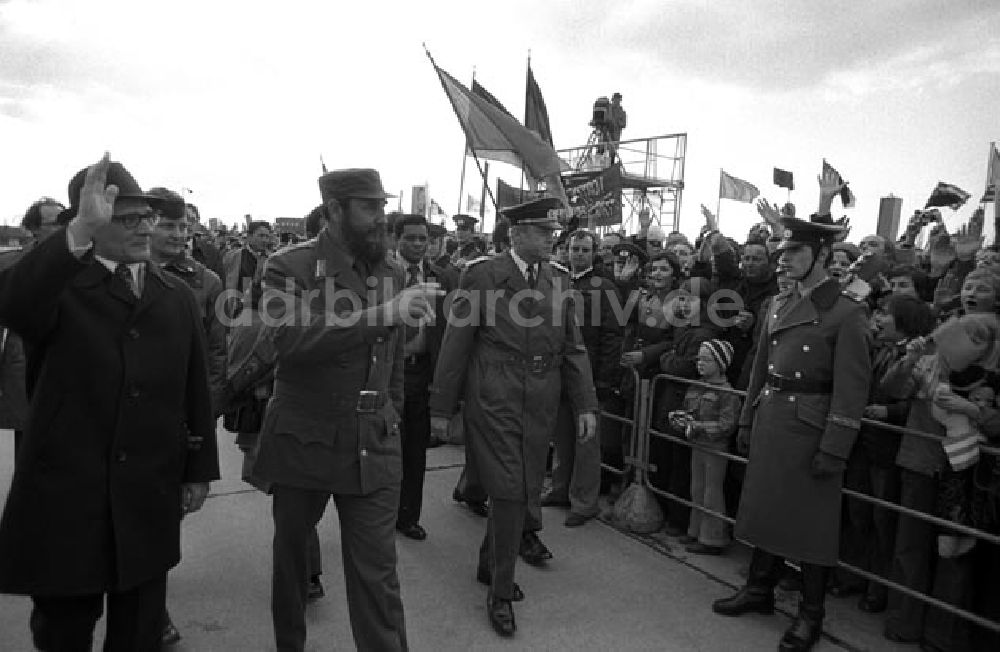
(604, 589)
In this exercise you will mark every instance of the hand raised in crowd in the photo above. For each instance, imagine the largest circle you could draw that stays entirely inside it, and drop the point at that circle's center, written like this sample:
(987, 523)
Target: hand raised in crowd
(629, 269)
(942, 253)
(711, 221)
(96, 203)
(586, 427)
(966, 242)
(770, 213)
(830, 186)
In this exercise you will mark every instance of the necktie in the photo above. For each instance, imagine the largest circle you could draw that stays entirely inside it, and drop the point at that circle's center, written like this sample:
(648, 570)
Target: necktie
(412, 278)
(125, 275)
(530, 276)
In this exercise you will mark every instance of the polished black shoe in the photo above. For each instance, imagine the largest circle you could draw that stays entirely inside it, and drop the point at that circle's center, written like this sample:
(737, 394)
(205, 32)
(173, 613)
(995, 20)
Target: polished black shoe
(412, 530)
(803, 634)
(478, 507)
(170, 634)
(873, 604)
(315, 589)
(533, 551)
(483, 576)
(746, 600)
(501, 615)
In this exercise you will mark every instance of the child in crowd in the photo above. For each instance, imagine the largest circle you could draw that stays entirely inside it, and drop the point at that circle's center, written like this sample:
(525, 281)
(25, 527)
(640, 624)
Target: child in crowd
(709, 419)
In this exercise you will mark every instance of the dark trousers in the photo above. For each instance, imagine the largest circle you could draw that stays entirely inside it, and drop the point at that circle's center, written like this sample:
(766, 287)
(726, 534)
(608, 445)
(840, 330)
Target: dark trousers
(472, 489)
(917, 565)
(576, 467)
(135, 619)
(18, 436)
(368, 548)
(766, 570)
(500, 546)
(416, 434)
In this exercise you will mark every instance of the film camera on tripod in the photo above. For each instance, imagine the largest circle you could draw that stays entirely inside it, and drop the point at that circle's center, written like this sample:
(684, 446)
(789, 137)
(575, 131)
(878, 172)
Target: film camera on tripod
(608, 119)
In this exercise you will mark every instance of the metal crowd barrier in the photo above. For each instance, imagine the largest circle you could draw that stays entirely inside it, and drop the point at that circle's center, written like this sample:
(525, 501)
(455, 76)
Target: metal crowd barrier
(638, 459)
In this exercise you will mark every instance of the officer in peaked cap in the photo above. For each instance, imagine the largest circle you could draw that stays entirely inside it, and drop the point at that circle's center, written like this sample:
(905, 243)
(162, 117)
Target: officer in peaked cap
(464, 227)
(524, 347)
(807, 391)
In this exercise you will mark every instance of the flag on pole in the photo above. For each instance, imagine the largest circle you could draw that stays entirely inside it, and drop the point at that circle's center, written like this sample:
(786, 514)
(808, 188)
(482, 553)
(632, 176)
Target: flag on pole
(479, 90)
(847, 198)
(436, 208)
(536, 116)
(992, 175)
(947, 194)
(783, 179)
(732, 188)
(493, 134)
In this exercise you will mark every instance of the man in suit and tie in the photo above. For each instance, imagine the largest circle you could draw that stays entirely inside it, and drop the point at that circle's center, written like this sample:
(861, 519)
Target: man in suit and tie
(120, 442)
(420, 352)
(332, 424)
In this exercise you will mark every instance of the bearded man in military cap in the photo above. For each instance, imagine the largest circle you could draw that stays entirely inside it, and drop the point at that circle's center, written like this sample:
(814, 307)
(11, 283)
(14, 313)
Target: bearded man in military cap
(332, 424)
(806, 395)
(509, 355)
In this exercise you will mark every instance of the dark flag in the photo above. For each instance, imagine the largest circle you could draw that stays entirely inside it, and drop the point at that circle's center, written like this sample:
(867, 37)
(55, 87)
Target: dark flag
(508, 195)
(947, 194)
(478, 89)
(536, 116)
(783, 179)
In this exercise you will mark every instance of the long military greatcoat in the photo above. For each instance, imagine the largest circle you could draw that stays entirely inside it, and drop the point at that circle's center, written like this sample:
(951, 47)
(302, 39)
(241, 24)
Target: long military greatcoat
(117, 383)
(821, 338)
(510, 374)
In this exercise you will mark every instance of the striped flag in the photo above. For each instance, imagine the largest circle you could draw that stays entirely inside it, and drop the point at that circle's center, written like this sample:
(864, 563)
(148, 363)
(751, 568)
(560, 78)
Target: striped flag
(732, 188)
(947, 194)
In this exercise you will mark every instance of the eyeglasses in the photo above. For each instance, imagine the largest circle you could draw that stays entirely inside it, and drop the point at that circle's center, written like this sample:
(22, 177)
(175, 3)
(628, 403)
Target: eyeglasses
(131, 220)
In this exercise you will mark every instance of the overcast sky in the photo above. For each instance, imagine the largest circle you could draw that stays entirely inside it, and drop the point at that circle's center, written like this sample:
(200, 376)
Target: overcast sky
(237, 100)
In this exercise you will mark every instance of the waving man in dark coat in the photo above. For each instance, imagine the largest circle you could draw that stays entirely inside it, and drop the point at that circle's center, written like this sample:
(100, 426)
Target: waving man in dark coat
(120, 440)
(807, 392)
(511, 346)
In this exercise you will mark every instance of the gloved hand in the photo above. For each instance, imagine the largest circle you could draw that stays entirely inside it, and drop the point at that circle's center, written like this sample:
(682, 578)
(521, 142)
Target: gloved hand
(824, 464)
(743, 441)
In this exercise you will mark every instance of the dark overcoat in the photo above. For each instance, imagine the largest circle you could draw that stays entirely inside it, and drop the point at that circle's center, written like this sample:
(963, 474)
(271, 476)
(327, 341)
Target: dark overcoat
(509, 352)
(822, 338)
(313, 436)
(117, 384)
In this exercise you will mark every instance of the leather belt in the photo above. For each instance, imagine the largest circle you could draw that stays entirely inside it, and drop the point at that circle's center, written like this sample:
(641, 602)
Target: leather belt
(534, 364)
(797, 385)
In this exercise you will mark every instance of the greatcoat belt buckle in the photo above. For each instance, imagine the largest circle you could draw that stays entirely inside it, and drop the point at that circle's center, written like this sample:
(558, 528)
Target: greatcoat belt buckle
(537, 364)
(368, 401)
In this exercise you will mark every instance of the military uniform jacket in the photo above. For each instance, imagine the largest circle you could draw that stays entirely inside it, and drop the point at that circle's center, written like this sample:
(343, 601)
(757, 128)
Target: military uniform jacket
(509, 353)
(314, 436)
(822, 338)
(118, 391)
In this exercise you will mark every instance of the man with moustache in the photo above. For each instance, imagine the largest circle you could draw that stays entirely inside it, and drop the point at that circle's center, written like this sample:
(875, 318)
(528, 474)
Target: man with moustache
(332, 424)
(511, 348)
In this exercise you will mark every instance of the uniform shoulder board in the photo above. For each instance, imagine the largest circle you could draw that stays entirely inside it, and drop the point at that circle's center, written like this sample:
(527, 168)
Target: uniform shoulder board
(857, 290)
(558, 266)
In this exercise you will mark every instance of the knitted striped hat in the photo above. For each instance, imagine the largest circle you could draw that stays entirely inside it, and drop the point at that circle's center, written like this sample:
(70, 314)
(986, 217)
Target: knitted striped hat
(721, 350)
